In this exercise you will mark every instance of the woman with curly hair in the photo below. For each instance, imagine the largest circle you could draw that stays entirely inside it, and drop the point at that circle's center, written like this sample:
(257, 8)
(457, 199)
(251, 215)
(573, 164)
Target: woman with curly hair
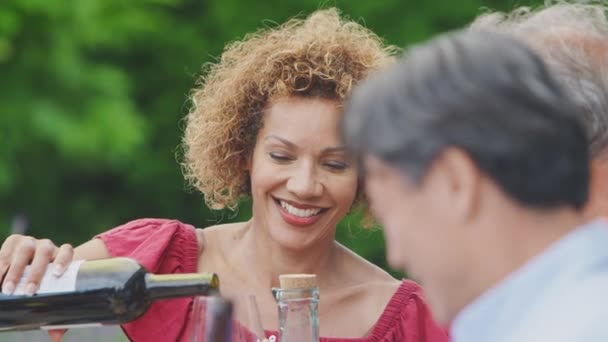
(263, 125)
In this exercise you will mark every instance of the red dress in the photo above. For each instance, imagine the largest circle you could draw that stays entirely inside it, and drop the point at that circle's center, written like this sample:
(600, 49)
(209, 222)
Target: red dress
(169, 246)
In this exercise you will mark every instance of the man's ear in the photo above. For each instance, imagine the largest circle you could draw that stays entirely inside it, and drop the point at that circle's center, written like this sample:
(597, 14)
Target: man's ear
(597, 204)
(462, 180)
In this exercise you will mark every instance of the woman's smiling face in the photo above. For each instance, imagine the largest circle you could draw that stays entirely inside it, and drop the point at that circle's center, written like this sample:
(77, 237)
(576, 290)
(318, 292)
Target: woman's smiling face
(302, 180)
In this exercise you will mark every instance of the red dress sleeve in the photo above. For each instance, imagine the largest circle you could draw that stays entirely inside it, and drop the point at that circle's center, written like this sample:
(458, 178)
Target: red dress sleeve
(407, 318)
(163, 247)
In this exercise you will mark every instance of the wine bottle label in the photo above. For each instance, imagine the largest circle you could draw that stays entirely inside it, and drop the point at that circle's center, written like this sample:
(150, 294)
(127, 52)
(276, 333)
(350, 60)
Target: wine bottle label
(51, 283)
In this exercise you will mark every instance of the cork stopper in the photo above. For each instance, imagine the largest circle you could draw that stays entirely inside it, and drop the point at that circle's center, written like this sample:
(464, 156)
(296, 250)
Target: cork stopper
(297, 281)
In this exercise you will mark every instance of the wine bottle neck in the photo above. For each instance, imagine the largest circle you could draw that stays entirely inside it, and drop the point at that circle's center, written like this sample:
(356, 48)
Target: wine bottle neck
(164, 286)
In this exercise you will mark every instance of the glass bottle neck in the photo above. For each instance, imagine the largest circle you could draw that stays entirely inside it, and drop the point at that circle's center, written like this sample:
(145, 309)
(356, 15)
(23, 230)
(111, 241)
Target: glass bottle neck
(298, 317)
(289, 295)
(164, 286)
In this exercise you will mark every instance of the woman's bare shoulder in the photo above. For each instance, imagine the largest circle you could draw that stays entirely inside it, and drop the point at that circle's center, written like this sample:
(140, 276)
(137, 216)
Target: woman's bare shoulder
(216, 236)
(369, 280)
(365, 288)
(361, 270)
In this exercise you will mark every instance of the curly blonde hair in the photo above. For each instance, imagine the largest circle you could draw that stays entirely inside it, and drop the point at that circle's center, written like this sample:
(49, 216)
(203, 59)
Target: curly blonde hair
(323, 55)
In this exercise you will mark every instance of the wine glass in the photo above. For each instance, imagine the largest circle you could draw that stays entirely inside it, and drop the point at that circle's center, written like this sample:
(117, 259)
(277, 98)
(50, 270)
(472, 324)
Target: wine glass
(208, 316)
(211, 319)
(252, 329)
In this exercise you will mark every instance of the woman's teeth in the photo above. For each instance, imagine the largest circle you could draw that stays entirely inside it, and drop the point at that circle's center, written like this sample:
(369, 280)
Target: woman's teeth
(299, 212)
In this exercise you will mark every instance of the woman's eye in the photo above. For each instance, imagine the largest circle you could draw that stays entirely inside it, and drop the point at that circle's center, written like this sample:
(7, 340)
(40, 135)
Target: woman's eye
(279, 156)
(336, 165)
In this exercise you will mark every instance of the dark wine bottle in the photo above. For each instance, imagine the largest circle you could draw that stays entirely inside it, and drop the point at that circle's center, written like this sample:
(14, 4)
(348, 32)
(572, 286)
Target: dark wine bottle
(97, 292)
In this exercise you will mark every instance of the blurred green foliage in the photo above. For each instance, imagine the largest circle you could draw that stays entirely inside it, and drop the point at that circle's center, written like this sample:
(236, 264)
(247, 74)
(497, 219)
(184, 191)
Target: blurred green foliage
(92, 93)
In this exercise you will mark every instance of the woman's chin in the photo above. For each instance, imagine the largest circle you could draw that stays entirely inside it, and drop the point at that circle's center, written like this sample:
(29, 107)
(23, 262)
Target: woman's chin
(292, 239)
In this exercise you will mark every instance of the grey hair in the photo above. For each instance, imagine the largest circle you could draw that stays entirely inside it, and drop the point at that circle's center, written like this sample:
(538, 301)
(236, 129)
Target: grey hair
(572, 38)
(487, 94)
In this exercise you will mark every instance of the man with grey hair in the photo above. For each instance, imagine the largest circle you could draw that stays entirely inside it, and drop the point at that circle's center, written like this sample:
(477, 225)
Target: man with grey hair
(476, 163)
(572, 38)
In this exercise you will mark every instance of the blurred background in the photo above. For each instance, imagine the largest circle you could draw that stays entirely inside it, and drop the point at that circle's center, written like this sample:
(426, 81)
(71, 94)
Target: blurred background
(93, 93)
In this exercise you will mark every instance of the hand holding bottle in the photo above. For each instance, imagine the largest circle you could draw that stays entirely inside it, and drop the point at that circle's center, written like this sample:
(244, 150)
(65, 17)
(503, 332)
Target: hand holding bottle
(19, 251)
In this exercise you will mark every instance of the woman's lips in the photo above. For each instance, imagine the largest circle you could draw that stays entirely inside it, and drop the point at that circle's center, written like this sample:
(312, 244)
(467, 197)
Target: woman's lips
(299, 215)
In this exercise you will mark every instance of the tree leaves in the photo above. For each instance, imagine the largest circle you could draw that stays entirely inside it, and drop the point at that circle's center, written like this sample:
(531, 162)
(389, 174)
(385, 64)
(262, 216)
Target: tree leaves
(92, 93)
